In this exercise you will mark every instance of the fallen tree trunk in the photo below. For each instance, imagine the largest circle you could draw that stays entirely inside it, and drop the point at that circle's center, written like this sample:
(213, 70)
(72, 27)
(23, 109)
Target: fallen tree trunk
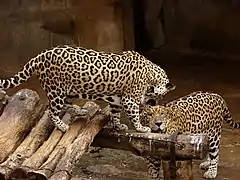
(183, 170)
(31, 143)
(154, 144)
(81, 144)
(43, 162)
(19, 116)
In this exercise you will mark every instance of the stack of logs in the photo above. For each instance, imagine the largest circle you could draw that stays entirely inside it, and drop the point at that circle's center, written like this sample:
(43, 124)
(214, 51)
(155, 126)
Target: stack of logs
(31, 148)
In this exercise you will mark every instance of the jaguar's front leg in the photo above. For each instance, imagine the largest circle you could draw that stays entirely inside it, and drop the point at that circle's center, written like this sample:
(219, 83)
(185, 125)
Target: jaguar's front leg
(153, 165)
(131, 107)
(115, 113)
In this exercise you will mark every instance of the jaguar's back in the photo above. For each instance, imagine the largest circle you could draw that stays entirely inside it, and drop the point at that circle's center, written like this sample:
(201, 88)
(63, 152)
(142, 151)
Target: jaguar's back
(119, 79)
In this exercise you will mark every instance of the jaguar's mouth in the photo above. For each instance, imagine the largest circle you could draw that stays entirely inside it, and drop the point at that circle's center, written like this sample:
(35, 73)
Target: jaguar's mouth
(156, 129)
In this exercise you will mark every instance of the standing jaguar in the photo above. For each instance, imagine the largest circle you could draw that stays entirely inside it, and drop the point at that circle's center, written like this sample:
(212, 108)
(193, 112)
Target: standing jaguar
(198, 112)
(122, 80)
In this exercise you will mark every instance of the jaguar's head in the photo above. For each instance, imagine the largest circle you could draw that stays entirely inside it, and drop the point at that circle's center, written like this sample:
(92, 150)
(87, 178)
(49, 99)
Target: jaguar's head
(159, 84)
(157, 117)
(159, 90)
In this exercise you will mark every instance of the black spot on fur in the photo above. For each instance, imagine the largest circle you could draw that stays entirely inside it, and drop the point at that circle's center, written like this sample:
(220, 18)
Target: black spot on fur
(65, 54)
(80, 52)
(57, 101)
(212, 156)
(84, 67)
(27, 66)
(82, 48)
(93, 70)
(53, 103)
(98, 63)
(91, 53)
(16, 79)
(73, 57)
(6, 84)
(26, 73)
(97, 79)
(114, 111)
(70, 50)
(120, 64)
(58, 51)
(47, 64)
(90, 96)
(11, 85)
(113, 106)
(101, 87)
(86, 59)
(31, 70)
(100, 95)
(111, 65)
(84, 96)
(22, 76)
(91, 85)
(92, 59)
(48, 55)
(58, 107)
(110, 99)
(53, 87)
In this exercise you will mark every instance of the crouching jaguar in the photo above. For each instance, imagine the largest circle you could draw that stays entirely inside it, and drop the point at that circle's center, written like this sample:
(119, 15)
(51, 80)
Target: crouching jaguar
(122, 80)
(198, 112)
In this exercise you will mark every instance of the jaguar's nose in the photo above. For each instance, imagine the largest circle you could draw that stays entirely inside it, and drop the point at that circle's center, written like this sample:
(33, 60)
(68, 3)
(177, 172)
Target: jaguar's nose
(158, 123)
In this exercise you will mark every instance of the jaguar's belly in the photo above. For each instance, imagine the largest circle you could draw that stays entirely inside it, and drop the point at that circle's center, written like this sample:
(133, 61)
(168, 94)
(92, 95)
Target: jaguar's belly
(113, 99)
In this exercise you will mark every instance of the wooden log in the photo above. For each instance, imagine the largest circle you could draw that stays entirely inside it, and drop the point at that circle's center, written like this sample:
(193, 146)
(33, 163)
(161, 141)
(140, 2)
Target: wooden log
(166, 170)
(3, 100)
(74, 152)
(43, 162)
(184, 170)
(31, 143)
(154, 144)
(19, 116)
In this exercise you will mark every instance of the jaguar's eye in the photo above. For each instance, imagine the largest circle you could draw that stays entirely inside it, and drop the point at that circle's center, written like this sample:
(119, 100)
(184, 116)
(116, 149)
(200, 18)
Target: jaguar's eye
(149, 114)
(150, 89)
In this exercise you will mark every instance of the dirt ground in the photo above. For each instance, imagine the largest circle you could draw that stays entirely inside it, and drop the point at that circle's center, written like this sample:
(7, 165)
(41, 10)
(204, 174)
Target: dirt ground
(189, 73)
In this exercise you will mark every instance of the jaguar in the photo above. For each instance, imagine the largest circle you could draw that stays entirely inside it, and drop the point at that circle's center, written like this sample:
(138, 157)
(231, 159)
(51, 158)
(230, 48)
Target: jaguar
(124, 80)
(197, 112)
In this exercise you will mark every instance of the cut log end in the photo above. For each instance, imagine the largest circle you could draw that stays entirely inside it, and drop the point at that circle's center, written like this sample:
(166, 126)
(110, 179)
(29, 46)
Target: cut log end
(19, 116)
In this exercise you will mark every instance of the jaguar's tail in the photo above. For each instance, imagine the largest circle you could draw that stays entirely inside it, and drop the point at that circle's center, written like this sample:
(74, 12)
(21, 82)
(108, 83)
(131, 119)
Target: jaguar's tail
(228, 119)
(22, 76)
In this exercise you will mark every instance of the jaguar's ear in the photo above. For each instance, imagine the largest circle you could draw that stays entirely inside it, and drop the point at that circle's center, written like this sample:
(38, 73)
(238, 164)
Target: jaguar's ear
(170, 86)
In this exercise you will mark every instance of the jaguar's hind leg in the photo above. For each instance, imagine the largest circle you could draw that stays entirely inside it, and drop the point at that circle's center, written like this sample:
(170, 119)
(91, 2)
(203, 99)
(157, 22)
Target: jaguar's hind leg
(115, 113)
(56, 105)
(214, 144)
(153, 165)
(68, 101)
